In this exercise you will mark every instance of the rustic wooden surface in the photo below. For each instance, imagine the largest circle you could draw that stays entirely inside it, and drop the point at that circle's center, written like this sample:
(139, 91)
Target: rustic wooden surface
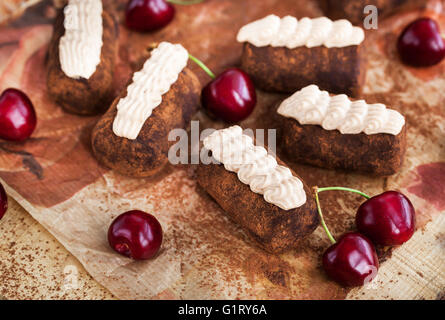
(34, 265)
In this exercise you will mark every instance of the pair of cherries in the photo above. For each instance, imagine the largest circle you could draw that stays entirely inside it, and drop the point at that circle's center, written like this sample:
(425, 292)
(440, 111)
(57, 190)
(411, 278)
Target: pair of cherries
(387, 219)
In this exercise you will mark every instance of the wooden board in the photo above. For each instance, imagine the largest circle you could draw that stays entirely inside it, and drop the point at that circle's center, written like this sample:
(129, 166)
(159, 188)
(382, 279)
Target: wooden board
(56, 179)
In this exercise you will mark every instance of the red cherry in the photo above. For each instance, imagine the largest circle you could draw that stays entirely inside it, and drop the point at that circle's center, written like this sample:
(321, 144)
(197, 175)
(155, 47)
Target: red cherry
(3, 202)
(421, 44)
(231, 96)
(351, 261)
(148, 15)
(387, 219)
(17, 116)
(135, 234)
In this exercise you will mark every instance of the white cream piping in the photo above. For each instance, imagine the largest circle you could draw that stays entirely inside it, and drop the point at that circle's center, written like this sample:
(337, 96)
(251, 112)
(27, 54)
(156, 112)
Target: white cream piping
(256, 168)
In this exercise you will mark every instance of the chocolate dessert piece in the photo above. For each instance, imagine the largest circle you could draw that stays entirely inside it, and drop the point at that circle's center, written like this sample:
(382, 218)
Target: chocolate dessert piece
(80, 95)
(370, 145)
(307, 51)
(261, 215)
(132, 136)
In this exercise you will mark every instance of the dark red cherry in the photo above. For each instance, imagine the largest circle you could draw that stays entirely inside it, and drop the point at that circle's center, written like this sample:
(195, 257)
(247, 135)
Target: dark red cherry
(148, 15)
(387, 219)
(3, 202)
(135, 234)
(17, 116)
(421, 44)
(352, 261)
(230, 96)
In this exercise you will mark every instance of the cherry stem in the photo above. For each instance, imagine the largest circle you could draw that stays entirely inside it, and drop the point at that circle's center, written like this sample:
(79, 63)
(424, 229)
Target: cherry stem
(203, 66)
(323, 223)
(320, 213)
(185, 3)
(344, 189)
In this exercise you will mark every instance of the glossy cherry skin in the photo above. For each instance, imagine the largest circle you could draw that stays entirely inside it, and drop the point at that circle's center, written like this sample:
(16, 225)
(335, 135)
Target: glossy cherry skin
(421, 44)
(148, 15)
(387, 219)
(231, 96)
(3, 202)
(135, 234)
(17, 116)
(351, 261)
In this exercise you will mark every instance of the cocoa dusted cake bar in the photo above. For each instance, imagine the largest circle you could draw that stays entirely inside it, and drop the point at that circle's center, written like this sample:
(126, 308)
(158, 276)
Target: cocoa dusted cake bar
(285, 55)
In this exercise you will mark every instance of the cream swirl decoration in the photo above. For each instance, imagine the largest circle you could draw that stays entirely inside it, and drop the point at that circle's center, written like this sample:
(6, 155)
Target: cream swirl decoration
(144, 94)
(255, 167)
(81, 45)
(292, 33)
(310, 105)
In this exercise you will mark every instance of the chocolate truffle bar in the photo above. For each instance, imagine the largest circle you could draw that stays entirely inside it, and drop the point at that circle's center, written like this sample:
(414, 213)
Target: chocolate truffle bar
(334, 132)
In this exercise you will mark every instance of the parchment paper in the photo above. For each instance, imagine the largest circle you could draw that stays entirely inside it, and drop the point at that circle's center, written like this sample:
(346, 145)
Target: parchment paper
(55, 177)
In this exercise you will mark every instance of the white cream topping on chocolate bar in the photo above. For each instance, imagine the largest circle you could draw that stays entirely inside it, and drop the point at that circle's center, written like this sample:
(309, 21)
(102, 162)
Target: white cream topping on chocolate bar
(81, 45)
(310, 105)
(292, 33)
(144, 94)
(255, 167)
